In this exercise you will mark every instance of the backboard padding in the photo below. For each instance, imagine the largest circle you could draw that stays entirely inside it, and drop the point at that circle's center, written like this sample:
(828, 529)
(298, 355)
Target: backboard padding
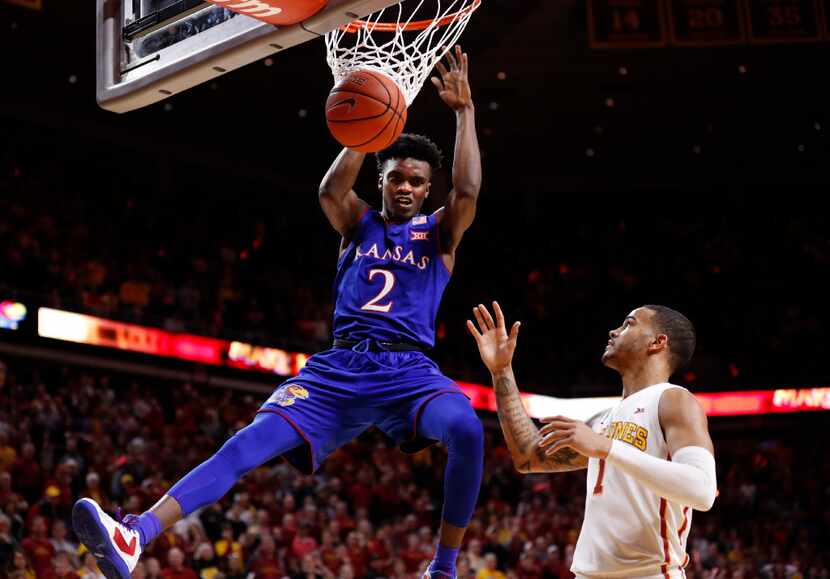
(126, 84)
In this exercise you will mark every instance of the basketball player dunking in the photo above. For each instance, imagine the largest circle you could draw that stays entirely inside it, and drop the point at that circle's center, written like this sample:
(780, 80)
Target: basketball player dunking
(391, 274)
(650, 459)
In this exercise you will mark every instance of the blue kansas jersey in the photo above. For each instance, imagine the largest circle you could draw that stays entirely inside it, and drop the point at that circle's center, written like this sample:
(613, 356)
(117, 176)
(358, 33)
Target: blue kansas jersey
(390, 281)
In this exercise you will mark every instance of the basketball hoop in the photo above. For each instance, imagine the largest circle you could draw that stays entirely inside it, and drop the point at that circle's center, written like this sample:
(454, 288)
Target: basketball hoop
(404, 48)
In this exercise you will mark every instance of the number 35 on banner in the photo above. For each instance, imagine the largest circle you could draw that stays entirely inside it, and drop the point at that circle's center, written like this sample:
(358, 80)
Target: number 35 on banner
(784, 21)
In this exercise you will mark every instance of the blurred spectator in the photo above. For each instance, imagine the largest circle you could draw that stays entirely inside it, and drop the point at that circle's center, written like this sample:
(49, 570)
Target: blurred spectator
(62, 545)
(303, 544)
(89, 569)
(8, 544)
(152, 568)
(490, 571)
(313, 568)
(8, 454)
(93, 489)
(264, 562)
(38, 547)
(205, 561)
(63, 567)
(176, 568)
(27, 473)
(20, 567)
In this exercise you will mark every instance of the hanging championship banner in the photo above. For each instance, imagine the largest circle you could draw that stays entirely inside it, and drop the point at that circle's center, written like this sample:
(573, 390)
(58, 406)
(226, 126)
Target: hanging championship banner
(706, 22)
(783, 21)
(626, 23)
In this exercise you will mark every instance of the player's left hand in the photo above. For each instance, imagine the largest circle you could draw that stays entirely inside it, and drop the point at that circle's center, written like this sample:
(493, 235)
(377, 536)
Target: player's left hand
(561, 432)
(495, 345)
(453, 86)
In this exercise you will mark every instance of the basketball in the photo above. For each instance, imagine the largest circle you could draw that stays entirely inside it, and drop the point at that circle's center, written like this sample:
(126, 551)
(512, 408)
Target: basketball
(366, 111)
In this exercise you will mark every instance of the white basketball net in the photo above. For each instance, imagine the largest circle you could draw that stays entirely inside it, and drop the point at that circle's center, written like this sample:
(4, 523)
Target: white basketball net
(390, 45)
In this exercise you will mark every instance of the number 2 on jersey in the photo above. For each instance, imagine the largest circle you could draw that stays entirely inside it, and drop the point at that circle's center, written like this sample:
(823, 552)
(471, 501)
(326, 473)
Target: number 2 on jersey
(388, 283)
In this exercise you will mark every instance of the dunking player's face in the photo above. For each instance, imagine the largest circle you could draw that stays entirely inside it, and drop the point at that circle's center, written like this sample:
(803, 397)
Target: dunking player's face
(404, 184)
(630, 344)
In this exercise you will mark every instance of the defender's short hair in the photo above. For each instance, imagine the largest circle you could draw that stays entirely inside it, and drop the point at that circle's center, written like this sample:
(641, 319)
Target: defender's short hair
(680, 331)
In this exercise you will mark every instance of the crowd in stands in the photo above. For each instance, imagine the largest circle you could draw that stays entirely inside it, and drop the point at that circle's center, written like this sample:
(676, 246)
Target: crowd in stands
(371, 511)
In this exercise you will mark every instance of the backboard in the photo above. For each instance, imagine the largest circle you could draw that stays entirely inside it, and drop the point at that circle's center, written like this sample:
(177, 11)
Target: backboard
(148, 50)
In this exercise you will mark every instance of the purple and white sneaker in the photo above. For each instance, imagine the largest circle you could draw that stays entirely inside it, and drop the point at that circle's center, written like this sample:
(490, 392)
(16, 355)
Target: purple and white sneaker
(116, 546)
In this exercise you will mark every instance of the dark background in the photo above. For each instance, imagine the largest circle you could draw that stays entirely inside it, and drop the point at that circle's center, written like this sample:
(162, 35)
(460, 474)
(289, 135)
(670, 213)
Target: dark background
(700, 188)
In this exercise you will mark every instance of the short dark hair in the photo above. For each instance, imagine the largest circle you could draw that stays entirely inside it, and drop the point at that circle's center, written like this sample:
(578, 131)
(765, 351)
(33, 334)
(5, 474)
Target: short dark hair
(680, 331)
(410, 146)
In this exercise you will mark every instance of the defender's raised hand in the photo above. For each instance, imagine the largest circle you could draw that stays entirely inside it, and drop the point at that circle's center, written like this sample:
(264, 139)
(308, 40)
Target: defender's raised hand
(453, 86)
(495, 346)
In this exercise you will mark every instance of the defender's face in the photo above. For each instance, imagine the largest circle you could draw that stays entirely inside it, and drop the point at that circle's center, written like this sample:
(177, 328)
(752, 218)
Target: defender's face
(628, 344)
(404, 184)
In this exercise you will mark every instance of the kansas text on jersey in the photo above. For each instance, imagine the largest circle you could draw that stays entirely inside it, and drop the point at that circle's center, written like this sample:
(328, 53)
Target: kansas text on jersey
(390, 280)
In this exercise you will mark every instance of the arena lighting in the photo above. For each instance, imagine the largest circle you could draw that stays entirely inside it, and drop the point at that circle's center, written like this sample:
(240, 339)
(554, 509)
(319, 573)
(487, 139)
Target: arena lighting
(273, 360)
(11, 314)
(83, 329)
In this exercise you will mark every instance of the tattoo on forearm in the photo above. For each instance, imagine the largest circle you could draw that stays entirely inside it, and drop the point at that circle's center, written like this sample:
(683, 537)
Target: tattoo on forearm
(523, 437)
(564, 456)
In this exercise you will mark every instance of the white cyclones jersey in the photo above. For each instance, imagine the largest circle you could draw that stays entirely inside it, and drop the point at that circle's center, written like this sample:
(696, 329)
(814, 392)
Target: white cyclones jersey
(628, 530)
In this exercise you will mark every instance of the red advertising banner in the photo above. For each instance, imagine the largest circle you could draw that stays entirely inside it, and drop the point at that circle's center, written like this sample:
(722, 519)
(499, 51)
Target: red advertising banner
(83, 329)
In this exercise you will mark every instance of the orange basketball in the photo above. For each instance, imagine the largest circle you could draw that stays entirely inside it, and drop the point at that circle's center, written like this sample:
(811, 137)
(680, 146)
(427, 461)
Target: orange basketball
(366, 111)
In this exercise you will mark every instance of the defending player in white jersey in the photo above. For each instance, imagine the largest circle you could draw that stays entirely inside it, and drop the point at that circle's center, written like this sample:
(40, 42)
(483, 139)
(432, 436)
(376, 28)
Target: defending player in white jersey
(650, 459)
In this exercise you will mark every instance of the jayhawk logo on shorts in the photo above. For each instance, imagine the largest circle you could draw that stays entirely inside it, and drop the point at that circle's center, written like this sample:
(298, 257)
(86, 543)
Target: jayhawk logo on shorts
(286, 395)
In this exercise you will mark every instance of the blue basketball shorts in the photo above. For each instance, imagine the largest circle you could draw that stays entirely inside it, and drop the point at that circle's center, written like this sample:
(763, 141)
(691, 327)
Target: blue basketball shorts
(340, 393)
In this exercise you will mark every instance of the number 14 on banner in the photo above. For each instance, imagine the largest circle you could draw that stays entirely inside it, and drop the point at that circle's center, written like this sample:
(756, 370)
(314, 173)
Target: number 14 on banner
(626, 23)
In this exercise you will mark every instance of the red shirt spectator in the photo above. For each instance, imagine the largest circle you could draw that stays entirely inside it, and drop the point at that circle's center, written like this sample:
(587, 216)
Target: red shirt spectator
(360, 493)
(303, 543)
(27, 474)
(413, 555)
(164, 543)
(264, 564)
(359, 558)
(528, 567)
(328, 552)
(39, 548)
(343, 518)
(63, 568)
(176, 569)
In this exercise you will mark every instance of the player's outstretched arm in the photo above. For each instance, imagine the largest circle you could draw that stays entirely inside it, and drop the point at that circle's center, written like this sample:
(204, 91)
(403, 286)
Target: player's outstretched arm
(496, 348)
(454, 89)
(688, 478)
(340, 203)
